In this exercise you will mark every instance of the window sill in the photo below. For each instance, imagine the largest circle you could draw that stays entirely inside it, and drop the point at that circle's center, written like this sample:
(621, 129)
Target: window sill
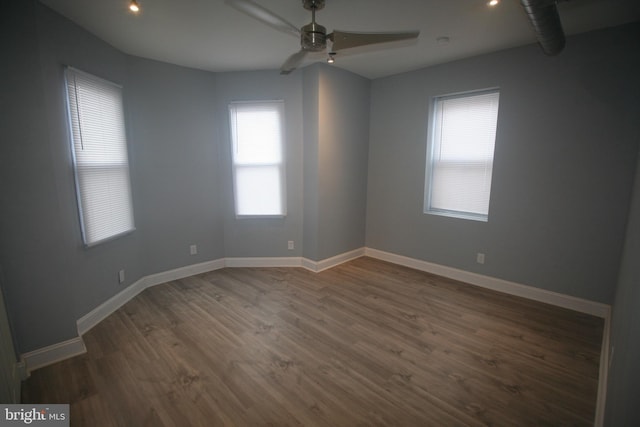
(459, 215)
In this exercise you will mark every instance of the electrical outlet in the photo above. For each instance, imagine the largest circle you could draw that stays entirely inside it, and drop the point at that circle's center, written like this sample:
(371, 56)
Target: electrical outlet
(193, 249)
(290, 245)
(480, 258)
(121, 276)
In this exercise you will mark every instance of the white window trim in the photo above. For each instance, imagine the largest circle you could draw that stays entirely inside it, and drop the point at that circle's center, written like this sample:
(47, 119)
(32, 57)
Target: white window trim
(281, 165)
(427, 209)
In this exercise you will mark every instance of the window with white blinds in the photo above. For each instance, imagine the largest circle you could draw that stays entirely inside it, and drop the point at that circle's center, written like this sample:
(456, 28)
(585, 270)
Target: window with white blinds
(100, 158)
(258, 160)
(460, 154)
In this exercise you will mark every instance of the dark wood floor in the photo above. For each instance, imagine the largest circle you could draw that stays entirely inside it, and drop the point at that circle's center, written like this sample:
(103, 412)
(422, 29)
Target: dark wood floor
(366, 343)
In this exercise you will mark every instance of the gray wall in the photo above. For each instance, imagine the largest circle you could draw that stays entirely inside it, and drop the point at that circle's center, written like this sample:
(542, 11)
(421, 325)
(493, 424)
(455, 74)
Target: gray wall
(343, 139)
(563, 167)
(624, 373)
(246, 237)
(311, 110)
(51, 279)
(177, 184)
(336, 108)
(178, 131)
(565, 159)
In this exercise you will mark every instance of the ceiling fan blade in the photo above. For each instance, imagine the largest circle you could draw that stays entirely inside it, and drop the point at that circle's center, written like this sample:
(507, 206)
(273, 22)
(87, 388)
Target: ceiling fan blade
(345, 40)
(263, 15)
(292, 62)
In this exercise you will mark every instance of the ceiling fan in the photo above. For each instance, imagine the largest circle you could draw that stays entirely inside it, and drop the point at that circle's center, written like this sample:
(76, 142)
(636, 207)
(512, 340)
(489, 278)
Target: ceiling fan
(313, 36)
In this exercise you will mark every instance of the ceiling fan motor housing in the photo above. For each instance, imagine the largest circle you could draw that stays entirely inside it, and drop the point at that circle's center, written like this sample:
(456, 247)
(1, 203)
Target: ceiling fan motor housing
(313, 37)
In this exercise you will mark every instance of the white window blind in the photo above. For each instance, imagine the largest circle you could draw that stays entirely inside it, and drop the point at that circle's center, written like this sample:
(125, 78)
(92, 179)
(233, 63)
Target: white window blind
(101, 163)
(460, 159)
(258, 166)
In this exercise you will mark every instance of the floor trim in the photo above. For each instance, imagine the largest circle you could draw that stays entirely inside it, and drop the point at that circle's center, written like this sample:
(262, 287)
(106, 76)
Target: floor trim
(53, 353)
(73, 347)
(512, 288)
(101, 312)
(263, 262)
(318, 266)
(529, 292)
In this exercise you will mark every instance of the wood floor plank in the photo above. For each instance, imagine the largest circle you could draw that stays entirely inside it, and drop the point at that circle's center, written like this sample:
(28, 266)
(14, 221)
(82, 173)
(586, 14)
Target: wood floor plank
(363, 344)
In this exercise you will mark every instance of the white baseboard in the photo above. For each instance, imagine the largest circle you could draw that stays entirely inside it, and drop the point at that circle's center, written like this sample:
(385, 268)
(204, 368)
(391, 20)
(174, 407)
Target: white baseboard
(57, 352)
(101, 312)
(318, 266)
(263, 262)
(53, 353)
(529, 292)
(182, 272)
(98, 314)
(512, 288)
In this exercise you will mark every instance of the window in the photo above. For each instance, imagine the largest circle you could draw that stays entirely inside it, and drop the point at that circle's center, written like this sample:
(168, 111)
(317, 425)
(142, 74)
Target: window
(100, 156)
(258, 166)
(462, 137)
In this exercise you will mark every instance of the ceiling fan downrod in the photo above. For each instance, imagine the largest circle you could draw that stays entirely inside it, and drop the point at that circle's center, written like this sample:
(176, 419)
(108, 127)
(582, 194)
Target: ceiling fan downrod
(313, 36)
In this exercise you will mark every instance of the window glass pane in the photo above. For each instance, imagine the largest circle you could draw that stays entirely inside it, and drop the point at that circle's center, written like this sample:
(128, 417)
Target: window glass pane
(100, 156)
(257, 136)
(106, 212)
(258, 190)
(257, 146)
(463, 133)
(468, 127)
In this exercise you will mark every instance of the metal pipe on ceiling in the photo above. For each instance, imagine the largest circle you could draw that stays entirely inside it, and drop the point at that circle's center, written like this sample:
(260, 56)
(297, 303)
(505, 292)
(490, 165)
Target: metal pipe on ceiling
(545, 20)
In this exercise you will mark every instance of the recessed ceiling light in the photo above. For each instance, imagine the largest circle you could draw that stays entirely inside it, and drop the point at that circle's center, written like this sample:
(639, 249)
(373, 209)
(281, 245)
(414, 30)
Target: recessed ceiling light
(493, 2)
(134, 6)
(442, 41)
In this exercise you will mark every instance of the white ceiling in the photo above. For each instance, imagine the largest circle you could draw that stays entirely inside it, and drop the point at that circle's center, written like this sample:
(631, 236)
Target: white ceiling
(209, 35)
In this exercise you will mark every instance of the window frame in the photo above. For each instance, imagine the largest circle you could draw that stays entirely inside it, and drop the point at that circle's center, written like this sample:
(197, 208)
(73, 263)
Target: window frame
(281, 164)
(73, 117)
(430, 158)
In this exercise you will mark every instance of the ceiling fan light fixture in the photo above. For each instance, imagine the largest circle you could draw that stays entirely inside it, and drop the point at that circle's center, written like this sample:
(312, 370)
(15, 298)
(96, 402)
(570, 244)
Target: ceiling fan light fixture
(134, 6)
(313, 36)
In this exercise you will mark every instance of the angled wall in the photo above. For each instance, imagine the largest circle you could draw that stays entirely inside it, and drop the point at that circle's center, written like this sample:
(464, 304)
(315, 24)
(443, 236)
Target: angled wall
(51, 280)
(563, 166)
(45, 265)
(262, 237)
(177, 188)
(336, 153)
